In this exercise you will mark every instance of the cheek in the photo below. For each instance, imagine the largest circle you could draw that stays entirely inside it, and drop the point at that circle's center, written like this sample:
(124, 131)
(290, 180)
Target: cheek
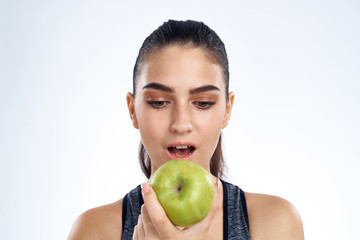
(211, 126)
(210, 134)
(150, 137)
(152, 127)
(211, 120)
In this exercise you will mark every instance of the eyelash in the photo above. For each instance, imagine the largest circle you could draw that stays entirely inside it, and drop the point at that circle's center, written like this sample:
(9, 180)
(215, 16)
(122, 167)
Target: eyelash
(155, 105)
(208, 105)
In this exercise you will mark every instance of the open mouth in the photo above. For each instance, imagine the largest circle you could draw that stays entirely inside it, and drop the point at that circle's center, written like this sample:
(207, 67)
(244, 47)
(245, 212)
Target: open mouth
(181, 151)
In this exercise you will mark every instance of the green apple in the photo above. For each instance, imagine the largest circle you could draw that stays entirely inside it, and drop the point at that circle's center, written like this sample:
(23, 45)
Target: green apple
(185, 190)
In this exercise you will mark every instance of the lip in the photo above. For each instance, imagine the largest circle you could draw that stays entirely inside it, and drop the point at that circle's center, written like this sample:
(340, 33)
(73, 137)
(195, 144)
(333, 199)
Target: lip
(188, 157)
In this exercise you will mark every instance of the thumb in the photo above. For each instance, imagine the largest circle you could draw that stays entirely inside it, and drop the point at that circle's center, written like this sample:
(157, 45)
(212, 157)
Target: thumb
(157, 214)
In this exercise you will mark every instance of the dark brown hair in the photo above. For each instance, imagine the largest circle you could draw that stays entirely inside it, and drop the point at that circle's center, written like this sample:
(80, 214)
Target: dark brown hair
(197, 34)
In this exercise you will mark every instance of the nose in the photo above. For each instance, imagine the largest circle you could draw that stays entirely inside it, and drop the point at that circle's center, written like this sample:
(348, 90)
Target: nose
(181, 120)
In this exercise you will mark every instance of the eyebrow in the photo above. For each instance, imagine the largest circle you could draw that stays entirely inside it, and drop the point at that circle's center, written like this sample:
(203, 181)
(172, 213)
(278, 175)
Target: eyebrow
(161, 87)
(158, 86)
(204, 89)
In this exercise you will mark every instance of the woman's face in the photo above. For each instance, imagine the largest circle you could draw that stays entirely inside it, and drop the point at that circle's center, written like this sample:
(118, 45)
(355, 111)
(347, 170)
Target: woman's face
(180, 105)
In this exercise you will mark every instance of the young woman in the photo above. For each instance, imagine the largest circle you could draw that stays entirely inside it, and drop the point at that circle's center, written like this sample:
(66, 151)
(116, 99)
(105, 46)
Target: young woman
(180, 103)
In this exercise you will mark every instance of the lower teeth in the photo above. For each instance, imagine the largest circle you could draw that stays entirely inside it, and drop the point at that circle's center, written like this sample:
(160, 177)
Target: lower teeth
(180, 155)
(186, 152)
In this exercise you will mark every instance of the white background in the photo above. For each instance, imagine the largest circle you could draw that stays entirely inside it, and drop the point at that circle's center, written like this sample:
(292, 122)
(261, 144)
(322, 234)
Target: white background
(67, 143)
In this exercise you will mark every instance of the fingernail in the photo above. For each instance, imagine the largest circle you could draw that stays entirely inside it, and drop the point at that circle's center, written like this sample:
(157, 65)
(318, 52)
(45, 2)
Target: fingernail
(144, 188)
(218, 185)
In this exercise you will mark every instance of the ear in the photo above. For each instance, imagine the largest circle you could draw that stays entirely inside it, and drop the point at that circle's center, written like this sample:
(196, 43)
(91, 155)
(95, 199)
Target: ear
(131, 107)
(229, 106)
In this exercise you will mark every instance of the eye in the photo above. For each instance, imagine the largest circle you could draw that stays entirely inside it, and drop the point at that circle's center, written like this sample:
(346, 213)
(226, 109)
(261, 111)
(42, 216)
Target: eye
(157, 104)
(203, 105)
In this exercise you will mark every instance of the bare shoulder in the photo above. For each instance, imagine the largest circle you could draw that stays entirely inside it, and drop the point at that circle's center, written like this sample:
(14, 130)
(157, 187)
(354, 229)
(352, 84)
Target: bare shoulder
(103, 222)
(272, 217)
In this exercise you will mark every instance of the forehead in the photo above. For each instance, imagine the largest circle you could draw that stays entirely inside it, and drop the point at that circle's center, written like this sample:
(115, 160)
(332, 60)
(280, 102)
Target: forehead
(181, 66)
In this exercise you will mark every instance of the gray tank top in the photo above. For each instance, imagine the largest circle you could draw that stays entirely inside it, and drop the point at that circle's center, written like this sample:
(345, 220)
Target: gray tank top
(236, 222)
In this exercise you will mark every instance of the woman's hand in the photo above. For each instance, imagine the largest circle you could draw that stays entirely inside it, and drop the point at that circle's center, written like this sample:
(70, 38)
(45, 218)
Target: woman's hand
(154, 224)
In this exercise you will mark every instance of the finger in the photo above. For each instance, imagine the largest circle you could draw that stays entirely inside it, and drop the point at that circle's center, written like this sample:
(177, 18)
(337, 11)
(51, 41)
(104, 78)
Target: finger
(135, 235)
(149, 229)
(216, 202)
(140, 228)
(156, 213)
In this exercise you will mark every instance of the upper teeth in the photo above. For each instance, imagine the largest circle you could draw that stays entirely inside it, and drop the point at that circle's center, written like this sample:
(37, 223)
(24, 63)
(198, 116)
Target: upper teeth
(181, 147)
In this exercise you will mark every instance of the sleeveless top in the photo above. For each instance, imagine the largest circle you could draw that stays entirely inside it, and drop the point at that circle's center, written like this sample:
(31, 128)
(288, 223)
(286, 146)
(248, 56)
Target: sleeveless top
(236, 222)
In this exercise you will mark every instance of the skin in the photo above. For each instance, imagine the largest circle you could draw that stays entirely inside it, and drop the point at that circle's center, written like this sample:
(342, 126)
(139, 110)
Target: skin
(177, 109)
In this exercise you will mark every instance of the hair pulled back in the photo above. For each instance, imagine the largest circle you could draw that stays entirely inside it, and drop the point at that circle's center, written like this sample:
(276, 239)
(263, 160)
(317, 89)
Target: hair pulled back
(184, 33)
